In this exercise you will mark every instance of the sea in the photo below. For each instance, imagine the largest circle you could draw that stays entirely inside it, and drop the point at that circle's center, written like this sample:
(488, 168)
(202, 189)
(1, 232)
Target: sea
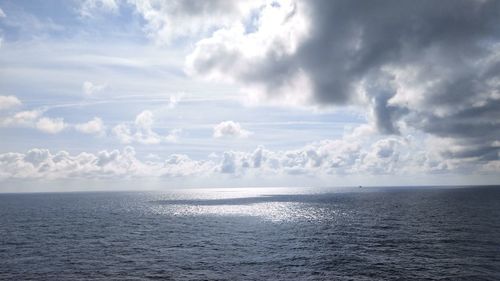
(357, 233)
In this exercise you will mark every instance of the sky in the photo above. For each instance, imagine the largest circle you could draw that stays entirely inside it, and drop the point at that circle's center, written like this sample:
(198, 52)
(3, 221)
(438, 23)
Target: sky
(146, 94)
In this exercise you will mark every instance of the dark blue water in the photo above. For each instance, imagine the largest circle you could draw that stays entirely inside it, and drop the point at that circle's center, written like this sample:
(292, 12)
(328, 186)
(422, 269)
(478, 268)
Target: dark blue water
(253, 234)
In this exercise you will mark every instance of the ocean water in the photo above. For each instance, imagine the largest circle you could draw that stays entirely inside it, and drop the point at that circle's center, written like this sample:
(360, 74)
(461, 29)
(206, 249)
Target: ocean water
(253, 234)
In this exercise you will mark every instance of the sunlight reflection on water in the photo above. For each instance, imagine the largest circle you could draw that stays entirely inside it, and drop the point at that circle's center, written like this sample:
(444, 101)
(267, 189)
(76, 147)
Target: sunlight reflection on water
(254, 202)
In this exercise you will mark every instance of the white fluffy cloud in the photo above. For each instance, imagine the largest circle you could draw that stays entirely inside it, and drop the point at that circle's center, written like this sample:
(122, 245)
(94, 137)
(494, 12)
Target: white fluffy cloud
(50, 125)
(167, 20)
(29, 118)
(94, 126)
(234, 54)
(22, 118)
(90, 89)
(34, 119)
(7, 102)
(142, 131)
(41, 163)
(387, 156)
(346, 156)
(230, 129)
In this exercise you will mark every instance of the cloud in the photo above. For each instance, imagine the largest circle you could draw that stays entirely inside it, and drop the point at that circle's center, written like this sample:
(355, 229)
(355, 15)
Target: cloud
(28, 25)
(94, 126)
(89, 8)
(436, 70)
(2, 15)
(142, 131)
(7, 102)
(41, 163)
(343, 157)
(22, 118)
(230, 129)
(234, 54)
(168, 20)
(34, 119)
(173, 100)
(394, 155)
(90, 89)
(50, 125)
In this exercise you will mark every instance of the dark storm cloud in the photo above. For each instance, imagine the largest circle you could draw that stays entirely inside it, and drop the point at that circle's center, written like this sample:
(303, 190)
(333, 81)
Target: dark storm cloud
(195, 7)
(453, 47)
(385, 115)
(456, 35)
(353, 39)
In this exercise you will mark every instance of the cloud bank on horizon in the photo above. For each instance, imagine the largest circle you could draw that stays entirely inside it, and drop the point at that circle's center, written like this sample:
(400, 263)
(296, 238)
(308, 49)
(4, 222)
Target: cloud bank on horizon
(251, 90)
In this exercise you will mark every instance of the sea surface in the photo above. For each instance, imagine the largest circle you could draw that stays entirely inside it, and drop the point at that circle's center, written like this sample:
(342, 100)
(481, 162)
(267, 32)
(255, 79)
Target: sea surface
(253, 234)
